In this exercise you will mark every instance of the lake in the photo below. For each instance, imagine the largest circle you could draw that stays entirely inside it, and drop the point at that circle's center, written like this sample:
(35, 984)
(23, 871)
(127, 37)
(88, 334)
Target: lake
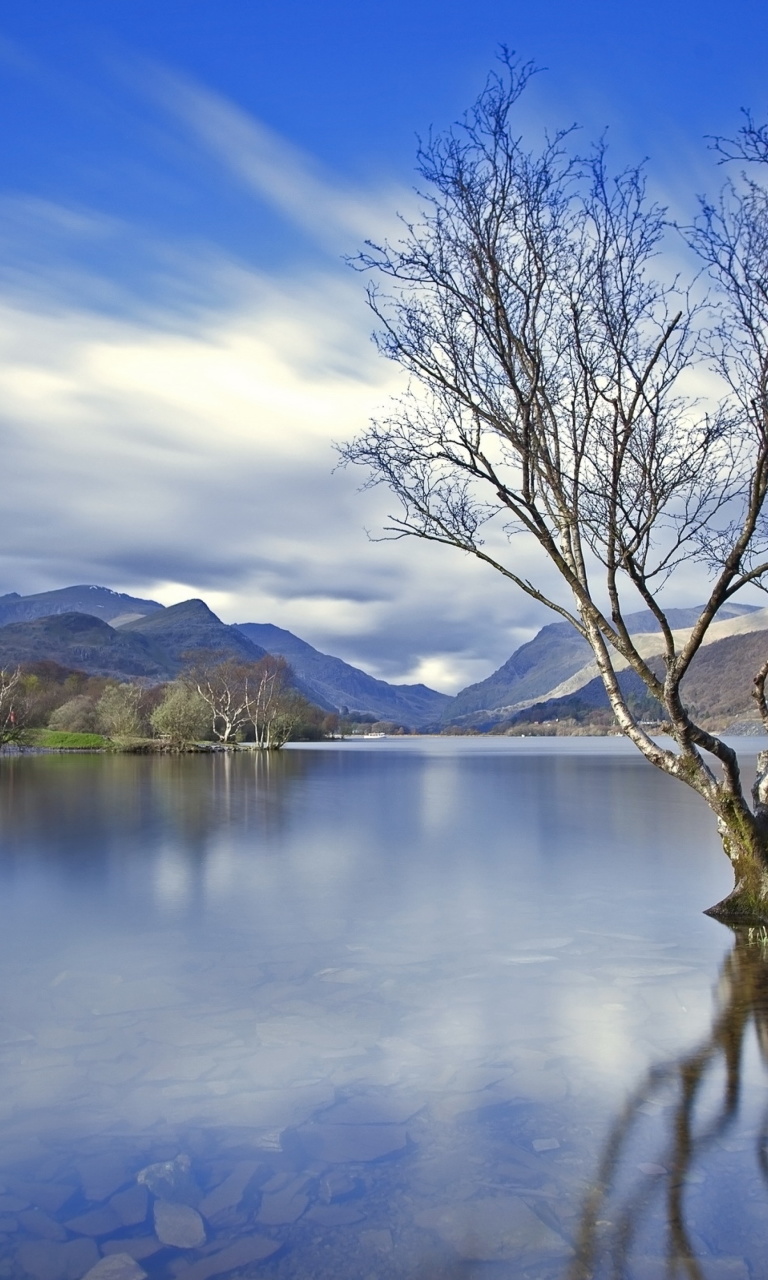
(424, 1008)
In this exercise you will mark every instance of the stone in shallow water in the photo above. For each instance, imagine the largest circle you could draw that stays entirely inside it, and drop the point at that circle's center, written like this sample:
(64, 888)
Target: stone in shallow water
(716, 1269)
(96, 1222)
(46, 1195)
(282, 1207)
(101, 1176)
(493, 1229)
(230, 1192)
(131, 1205)
(48, 1260)
(377, 1241)
(171, 1180)
(12, 1204)
(536, 1086)
(136, 1246)
(38, 1223)
(120, 1266)
(390, 1110)
(244, 1251)
(178, 1224)
(339, 1185)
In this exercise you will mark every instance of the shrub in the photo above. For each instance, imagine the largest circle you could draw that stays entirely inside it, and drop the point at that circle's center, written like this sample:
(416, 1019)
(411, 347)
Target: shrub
(119, 711)
(181, 717)
(77, 715)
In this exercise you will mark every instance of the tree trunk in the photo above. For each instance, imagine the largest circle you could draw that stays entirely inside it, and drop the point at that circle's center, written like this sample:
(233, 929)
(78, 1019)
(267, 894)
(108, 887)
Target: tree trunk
(745, 840)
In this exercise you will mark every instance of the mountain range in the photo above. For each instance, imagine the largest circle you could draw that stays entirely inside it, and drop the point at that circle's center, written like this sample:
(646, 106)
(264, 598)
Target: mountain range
(553, 676)
(107, 633)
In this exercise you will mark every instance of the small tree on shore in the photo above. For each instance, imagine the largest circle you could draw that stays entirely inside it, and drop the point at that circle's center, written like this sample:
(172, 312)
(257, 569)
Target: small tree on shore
(76, 715)
(274, 707)
(550, 368)
(182, 716)
(118, 711)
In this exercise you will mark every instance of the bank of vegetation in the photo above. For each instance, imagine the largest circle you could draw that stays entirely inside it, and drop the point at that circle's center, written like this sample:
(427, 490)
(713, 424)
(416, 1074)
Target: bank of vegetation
(216, 702)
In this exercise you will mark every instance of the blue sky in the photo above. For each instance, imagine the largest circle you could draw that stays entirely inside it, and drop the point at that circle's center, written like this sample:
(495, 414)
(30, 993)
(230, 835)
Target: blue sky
(181, 340)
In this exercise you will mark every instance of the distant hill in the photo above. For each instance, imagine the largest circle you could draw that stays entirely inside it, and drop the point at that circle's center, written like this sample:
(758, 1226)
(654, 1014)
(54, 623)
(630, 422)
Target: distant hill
(152, 648)
(109, 633)
(721, 675)
(111, 606)
(558, 664)
(554, 654)
(717, 688)
(84, 643)
(346, 687)
(191, 625)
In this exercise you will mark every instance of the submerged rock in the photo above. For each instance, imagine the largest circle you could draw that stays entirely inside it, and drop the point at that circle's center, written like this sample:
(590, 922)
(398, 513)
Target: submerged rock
(244, 1251)
(120, 1266)
(172, 1180)
(178, 1224)
(131, 1205)
(228, 1194)
(282, 1207)
(102, 1175)
(49, 1260)
(95, 1222)
(137, 1247)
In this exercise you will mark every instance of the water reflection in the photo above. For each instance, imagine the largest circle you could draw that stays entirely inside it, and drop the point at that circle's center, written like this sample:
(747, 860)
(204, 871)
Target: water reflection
(697, 1098)
(385, 1001)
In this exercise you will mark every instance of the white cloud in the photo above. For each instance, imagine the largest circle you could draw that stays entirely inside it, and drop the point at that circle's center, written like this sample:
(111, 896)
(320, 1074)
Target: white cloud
(197, 459)
(177, 440)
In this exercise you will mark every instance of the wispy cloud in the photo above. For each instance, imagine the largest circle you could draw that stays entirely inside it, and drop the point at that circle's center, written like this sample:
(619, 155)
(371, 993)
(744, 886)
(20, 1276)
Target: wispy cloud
(338, 216)
(167, 414)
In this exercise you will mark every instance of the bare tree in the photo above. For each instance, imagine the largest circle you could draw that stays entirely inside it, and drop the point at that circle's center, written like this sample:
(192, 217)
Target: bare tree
(224, 684)
(274, 707)
(11, 705)
(549, 363)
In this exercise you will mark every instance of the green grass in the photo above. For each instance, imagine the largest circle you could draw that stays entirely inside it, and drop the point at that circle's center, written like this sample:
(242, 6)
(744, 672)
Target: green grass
(58, 738)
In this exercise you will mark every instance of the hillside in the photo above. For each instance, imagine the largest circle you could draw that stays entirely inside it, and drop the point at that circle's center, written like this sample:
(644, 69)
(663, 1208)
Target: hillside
(346, 687)
(718, 687)
(558, 663)
(721, 675)
(85, 643)
(150, 648)
(191, 625)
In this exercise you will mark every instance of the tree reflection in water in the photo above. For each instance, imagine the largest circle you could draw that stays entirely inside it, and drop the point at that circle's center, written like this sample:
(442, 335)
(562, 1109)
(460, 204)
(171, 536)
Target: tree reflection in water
(614, 1212)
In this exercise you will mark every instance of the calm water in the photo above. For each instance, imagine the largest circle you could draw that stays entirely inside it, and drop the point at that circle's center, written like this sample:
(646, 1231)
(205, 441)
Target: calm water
(420, 1008)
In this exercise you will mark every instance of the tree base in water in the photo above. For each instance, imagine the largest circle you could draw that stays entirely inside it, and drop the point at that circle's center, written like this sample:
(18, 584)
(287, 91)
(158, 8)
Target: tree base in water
(739, 909)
